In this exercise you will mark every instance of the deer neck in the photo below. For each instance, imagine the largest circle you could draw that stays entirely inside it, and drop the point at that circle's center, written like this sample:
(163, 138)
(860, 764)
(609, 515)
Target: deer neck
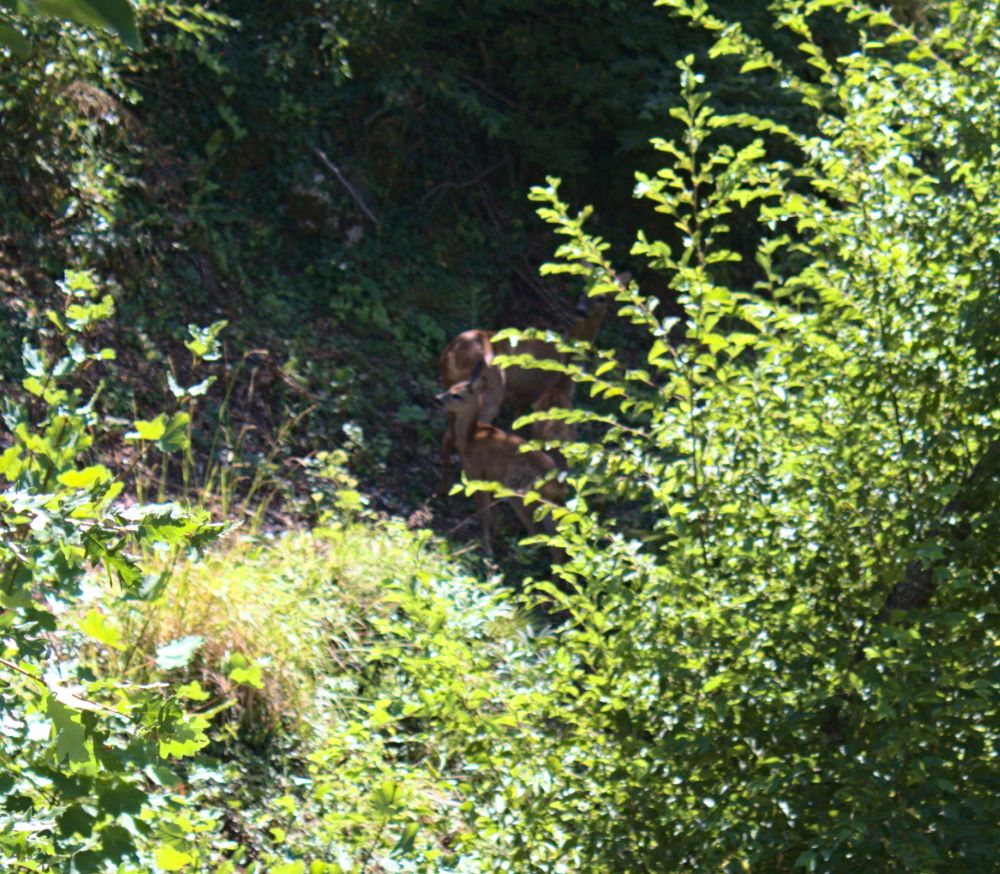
(465, 429)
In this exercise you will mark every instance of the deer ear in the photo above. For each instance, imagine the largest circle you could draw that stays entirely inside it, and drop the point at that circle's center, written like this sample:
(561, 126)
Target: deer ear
(477, 371)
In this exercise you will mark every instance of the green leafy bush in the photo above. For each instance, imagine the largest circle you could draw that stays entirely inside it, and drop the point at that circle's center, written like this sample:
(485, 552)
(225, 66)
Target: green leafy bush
(782, 650)
(365, 668)
(82, 748)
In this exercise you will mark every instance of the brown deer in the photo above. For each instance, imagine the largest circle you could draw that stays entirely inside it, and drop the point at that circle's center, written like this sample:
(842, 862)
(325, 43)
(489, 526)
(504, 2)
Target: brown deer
(518, 387)
(489, 453)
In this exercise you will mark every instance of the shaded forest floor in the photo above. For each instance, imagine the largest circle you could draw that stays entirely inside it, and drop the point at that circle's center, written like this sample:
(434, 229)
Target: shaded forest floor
(278, 406)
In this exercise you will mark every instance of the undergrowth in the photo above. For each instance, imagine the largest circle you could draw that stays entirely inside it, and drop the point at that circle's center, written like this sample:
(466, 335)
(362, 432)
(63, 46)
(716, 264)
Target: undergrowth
(353, 657)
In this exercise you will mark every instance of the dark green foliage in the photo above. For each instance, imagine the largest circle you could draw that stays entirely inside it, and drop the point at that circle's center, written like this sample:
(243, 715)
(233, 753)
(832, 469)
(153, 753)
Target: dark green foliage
(780, 636)
(349, 169)
(114, 15)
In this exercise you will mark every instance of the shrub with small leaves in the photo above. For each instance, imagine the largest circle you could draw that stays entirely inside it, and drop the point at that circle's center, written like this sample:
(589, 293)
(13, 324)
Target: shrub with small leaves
(782, 645)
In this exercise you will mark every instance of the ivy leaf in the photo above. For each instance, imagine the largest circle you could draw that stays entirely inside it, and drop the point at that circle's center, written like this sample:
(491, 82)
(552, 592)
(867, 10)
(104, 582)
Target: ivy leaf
(387, 796)
(251, 675)
(183, 737)
(11, 463)
(204, 342)
(76, 820)
(125, 569)
(172, 525)
(169, 434)
(170, 859)
(82, 316)
(175, 433)
(148, 430)
(86, 477)
(69, 733)
(117, 843)
(123, 798)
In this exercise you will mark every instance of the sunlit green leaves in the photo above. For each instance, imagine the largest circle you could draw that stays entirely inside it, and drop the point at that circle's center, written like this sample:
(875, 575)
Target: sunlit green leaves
(96, 626)
(169, 858)
(115, 15)
(68, 732)
(79, 317)
(204, 343)
(65, 723)
(168, 433)
(242, 670)
(95, 474)
(151, 430)
(773, 495)
(181, 735)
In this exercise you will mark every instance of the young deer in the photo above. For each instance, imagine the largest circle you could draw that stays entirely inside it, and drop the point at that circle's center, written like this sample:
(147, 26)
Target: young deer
(518, 387)
(488, 453)
(523, 386)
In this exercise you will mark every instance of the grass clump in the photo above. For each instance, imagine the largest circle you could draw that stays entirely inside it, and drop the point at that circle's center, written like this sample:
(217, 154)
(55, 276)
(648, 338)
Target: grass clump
(366, 672)
(278, 621)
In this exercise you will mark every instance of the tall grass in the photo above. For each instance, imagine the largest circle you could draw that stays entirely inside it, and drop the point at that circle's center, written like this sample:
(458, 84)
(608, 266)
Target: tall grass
(303, 606)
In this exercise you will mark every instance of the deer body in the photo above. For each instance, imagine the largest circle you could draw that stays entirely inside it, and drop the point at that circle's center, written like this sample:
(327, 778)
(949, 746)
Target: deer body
(558, 395)
(489, 453)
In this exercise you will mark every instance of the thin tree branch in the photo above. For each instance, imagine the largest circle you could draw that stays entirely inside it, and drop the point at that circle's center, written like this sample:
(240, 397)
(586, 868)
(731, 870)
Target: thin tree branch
(449, 184)
(358, 199)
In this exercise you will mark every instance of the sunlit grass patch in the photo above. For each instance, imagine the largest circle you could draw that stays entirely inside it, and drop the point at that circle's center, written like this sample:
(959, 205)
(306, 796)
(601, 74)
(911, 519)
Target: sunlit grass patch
(281, 624)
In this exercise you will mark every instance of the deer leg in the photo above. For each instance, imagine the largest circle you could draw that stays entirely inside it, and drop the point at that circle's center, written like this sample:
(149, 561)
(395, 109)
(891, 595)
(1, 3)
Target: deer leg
(484, 511)
(447, 443)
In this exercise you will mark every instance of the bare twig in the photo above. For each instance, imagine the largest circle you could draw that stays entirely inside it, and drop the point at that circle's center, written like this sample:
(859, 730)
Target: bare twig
(449, 184)
(21, 670)
(358, 199)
